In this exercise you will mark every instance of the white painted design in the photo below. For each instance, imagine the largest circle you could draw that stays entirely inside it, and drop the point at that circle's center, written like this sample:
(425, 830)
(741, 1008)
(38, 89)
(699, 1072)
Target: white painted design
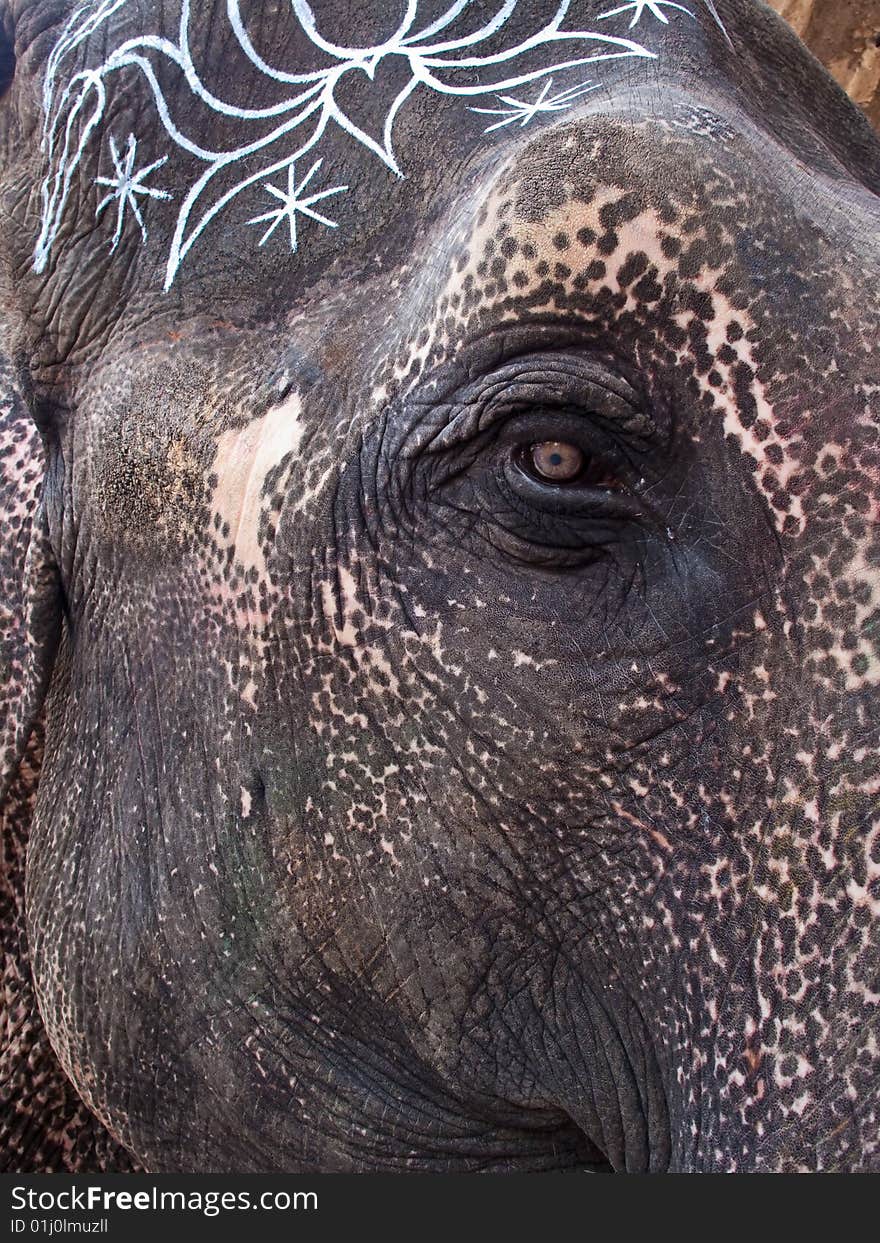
(639, 7)
(520, 110)
(127, 185)
(293, 202)
(272, 139)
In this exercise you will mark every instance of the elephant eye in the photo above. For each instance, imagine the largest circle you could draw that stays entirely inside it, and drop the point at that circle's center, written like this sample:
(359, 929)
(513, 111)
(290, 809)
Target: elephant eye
(562, 463)
(556, 461)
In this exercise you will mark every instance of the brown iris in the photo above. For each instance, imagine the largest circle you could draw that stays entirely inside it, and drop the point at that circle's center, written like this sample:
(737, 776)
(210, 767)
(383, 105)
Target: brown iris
(557, 461)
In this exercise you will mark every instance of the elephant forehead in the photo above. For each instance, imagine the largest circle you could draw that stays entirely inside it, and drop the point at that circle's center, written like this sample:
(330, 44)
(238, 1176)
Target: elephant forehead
(185, 162)
(231, 130)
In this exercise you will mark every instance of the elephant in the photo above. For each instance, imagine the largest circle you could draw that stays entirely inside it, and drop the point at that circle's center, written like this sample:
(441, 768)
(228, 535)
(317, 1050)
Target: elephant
(439, 590)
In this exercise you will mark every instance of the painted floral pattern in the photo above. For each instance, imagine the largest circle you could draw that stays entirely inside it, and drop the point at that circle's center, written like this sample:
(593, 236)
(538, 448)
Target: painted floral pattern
(75, 105)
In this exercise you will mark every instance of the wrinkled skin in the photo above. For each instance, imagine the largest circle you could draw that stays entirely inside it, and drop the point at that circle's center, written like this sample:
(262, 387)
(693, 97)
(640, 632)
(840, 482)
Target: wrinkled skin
(400, 809)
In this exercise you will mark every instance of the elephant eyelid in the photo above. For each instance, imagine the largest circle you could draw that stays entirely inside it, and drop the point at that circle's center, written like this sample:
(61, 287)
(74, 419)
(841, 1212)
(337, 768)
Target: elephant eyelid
(569, 385)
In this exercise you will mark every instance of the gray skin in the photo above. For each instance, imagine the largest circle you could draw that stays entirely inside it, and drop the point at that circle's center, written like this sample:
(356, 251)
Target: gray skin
(402, 808)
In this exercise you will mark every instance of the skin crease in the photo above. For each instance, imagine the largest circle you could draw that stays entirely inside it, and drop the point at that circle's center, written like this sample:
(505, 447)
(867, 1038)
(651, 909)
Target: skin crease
(399, 811)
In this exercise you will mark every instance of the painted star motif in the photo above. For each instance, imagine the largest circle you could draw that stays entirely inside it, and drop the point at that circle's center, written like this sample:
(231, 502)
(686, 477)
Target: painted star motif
(654, 7)
(520, 110)
(293, 202)
(127, 185)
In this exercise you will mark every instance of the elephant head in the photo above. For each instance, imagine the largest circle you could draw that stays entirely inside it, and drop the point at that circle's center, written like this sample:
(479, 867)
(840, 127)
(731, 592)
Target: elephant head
(441, 469)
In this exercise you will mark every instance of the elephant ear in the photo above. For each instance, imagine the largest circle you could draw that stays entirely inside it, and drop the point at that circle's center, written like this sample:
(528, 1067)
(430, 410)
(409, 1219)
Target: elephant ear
(29, 591)
(44, 1125)
(37, 1105)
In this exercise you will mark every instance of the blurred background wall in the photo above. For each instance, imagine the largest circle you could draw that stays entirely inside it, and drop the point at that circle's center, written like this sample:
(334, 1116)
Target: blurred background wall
(845, 35)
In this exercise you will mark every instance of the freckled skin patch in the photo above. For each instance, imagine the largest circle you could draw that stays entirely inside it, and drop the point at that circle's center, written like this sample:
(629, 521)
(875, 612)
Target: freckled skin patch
(397, 816)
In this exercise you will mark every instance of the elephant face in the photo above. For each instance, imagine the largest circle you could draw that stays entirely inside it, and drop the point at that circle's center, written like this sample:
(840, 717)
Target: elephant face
(462, 739)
